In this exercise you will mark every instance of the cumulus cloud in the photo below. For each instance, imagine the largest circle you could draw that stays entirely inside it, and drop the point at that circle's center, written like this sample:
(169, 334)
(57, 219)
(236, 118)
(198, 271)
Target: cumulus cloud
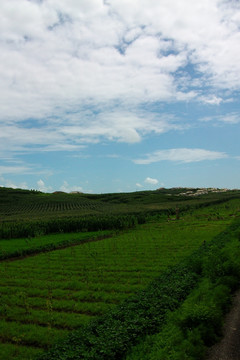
(58, 53)
(67, 188)
(59, 59)
(181, 155)
(43, 187)
(10, 184)
(151, 181)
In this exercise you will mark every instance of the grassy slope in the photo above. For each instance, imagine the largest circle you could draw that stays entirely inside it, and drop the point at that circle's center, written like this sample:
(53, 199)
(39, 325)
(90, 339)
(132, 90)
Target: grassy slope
(214, 267)
(197, 324)
(25, 320)
(25, 246)
(18, 204)
(46, 295)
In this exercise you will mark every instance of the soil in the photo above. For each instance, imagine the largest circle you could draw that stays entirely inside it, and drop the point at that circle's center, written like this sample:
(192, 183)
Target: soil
(229, 347)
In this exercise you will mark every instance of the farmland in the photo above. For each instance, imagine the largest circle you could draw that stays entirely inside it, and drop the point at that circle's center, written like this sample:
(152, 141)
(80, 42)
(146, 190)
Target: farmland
(27, 205)
(45, 296)
(25, 246)
(31, 213)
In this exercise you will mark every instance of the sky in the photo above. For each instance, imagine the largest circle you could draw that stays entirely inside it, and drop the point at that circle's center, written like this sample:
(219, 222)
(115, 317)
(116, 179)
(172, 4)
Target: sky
(106, 96)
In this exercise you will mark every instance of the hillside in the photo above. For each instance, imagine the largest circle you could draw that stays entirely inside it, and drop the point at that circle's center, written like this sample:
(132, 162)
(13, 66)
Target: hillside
(17, 204)
(118, 263)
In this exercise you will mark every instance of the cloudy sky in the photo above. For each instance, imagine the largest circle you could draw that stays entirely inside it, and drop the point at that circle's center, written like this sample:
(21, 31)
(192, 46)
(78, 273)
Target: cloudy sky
(118, 95)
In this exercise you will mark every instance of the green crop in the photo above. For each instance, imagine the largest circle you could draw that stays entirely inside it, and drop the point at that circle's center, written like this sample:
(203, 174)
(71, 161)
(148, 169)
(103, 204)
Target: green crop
(45, 296)
(26, 246)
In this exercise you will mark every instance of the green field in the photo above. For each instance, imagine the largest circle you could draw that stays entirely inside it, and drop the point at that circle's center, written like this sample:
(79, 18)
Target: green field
(25, 246)
(24, 205)
(46, 295)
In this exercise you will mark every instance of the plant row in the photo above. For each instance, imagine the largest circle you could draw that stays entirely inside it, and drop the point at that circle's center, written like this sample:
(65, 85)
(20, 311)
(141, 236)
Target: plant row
(197, 323)
(46, 289)
(21, 229)
(21, 247)
(111, 336)
(46, 207)
(25, 229)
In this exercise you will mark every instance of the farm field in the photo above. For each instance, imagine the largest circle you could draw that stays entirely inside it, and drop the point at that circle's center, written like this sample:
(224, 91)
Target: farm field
(24, 205)
(45, 296)
(23, 246)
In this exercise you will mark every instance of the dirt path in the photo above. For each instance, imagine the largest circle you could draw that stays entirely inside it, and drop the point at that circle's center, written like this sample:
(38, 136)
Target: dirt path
(229, 347)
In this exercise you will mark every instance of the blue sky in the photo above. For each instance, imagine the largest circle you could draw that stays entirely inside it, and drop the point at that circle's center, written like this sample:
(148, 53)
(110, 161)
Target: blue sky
(107, 96)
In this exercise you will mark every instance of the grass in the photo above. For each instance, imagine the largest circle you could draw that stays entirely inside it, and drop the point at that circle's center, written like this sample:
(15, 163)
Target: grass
(18, 352)
(28, 214)
(23, 246)
(111, 336)
(45, 296)
(16, 204)
(197, 323)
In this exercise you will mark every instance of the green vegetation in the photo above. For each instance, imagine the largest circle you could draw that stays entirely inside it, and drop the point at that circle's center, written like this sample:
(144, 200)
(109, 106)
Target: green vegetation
(110, 336)
(198, 322)
(63, 289)
(93, 223)
(118, 288)
(26, 246)
(30, 213)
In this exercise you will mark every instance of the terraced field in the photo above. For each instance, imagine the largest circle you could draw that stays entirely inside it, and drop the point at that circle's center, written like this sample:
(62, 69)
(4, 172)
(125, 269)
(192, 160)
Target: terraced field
(46, 295)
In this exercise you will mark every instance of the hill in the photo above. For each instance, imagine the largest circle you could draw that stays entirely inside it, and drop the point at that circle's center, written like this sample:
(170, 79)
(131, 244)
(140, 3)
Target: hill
(17, 204)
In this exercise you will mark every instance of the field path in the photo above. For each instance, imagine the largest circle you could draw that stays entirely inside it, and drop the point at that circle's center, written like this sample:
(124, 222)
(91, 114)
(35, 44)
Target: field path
(229, 347)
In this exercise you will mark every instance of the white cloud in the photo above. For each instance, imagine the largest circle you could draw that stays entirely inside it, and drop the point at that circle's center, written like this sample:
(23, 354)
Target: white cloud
(42, 186)
(211, 100)
(67, 188)
(7, 169)
(151, 181)
(121, 126)
(139, 185)
(10, 184)
(16, 167)
(231, 118)
(77, 131)
(61, 58)
(181, 155)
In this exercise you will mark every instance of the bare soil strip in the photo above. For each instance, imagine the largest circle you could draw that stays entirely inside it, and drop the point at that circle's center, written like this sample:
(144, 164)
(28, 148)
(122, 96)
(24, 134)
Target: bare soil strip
(229, 347)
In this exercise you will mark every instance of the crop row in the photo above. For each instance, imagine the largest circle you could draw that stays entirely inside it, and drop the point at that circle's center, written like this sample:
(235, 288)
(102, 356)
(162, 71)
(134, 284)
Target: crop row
(46, 207)
(17, 229)
(25, 246)
(46, 295)
(26, 229)
(111, 336)
(89, 275)
(197, 324)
